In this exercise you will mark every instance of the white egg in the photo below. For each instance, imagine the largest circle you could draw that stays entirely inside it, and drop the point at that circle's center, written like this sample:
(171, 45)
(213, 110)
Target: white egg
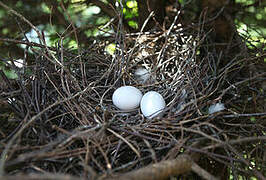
(127, 97)
(152, 104)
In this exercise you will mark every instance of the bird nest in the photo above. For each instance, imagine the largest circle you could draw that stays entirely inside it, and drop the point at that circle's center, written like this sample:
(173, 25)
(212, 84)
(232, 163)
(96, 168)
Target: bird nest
(64, 121)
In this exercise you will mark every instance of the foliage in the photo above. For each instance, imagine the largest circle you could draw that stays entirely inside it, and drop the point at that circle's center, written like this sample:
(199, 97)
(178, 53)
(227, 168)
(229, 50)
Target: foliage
(89, 18)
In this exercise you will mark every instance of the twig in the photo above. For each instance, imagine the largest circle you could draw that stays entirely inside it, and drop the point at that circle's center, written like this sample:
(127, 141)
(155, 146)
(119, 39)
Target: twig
(244, 115)
(46, 176)
(4, 153)
(158, 171)
(238, 141)
(40, 36)
(126, 141)
(202, 173)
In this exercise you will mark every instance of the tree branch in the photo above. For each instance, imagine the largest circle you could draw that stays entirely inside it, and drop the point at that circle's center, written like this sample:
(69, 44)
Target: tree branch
(158, 171)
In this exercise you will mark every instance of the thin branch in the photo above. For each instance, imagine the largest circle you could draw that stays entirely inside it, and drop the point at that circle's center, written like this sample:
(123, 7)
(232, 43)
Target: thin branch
(7, 147)
(158, 171)
(202, 173)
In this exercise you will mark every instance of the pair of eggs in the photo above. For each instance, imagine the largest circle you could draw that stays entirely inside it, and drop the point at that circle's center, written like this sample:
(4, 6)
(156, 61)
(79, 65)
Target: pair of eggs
(128, 98)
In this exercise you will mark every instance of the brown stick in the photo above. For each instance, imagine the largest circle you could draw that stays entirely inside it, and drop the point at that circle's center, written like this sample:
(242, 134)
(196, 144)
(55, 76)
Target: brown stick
(40, 177)
(158, 171)
(202, 173)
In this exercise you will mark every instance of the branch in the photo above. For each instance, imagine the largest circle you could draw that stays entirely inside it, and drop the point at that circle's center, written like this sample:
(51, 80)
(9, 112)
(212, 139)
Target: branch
(202, 173)
(162, 170)
(45, 176)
